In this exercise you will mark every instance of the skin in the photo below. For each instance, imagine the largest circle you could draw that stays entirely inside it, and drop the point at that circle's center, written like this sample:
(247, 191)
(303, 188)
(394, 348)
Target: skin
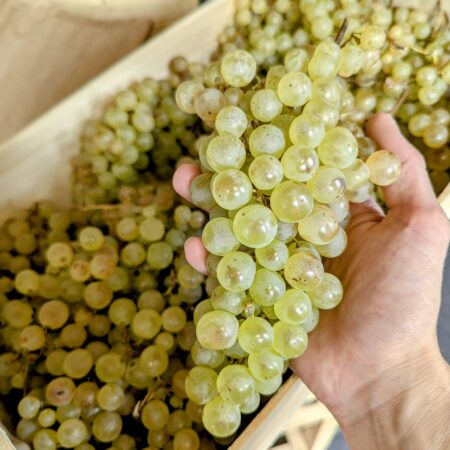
(374, 361)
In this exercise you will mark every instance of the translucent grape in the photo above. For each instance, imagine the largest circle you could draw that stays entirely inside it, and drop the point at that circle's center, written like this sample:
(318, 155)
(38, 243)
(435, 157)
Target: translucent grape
(267, 288)
(269, 386)
(238, 68)
(319, 227)
(91, 238)
(17, 313)
(53, 314)
(291, 201)
(154, 361)
(231, 189)
(351, 60)
(299, 163)
(186, 93)
(273, 256)
(217, 330)
(201, 385)
(328, 294)
(236, 271)
(201, 192)
(307, 131)
(232, 302)
(338, 148)
(294, 307)
(60, 254)
(218, 236)
(250, 404)
(45, 440)
(235, 383)
(294, 89)
(356, 175)
(60, 391)
(71, 433)
(78, 363)
(151, 229)
(267, 139)
(206, 357)
(186, 439)
(225, 152)
(173, 319)
(335, 247)
(265, 172)
(290, 341)
(207, 105)
(384, 167)
(255, 335)
(265, 105)
(110, 368)
(265, 365)
(303, 271)
(32, 338)
(220, 418)
(107, 426)
(327, 185)
(28, 407)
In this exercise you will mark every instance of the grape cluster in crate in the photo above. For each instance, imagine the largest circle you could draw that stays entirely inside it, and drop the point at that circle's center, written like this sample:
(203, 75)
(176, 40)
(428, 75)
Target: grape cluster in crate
(110, 338)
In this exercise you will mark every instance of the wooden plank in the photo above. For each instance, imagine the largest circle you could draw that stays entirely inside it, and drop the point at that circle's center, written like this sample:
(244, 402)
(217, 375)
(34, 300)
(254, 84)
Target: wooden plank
(444, 200)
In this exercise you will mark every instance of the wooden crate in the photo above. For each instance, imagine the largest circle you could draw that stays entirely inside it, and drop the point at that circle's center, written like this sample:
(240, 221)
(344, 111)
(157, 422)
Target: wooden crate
(35, 165)
(48, 48)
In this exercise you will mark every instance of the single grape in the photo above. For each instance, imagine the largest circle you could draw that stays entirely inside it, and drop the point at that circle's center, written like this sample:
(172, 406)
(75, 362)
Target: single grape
(236, 271)
(291, 201)
(290, 341)
(255, 335)
(217, 330)
(384, 167)
(201, 385)
(221, 418)
(328, 294)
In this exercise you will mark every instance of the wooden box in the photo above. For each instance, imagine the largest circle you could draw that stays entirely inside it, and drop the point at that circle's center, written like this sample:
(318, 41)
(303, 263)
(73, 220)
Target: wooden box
(35, 165)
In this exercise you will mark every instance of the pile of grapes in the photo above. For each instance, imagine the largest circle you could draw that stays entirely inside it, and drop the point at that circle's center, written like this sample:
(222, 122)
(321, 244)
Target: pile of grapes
(110, 339)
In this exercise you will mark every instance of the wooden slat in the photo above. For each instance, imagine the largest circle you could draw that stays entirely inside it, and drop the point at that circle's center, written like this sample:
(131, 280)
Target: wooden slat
(444, 200)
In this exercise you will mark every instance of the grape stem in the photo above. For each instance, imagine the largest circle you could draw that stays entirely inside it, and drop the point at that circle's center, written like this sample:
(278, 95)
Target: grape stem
(400, 102)
(341, 33)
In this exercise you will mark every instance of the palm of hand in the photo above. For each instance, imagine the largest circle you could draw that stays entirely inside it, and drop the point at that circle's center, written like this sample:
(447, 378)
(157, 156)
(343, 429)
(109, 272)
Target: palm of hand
(384, 314)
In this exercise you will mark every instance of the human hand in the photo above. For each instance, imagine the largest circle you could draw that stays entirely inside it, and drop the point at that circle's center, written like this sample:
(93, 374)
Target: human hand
(392, 275)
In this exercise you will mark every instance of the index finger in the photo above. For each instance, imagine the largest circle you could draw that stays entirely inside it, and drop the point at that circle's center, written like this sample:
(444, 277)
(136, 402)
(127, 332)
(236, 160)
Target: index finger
(183, 178)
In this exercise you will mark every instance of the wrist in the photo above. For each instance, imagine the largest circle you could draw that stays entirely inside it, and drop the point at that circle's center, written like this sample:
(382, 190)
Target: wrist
(384, 413)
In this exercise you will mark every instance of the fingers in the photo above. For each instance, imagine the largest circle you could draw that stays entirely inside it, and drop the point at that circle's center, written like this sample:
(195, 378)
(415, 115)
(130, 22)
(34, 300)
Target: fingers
(182, 179)
(413, 187)
(196, 254)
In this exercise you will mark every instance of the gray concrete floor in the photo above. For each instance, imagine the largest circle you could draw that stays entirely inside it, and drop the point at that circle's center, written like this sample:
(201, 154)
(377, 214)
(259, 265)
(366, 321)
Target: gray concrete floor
(443, 333)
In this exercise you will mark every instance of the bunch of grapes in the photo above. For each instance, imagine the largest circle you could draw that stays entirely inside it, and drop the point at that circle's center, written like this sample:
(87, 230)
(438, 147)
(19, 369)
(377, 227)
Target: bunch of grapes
(97, 328)
(404, 55)
(278, 175)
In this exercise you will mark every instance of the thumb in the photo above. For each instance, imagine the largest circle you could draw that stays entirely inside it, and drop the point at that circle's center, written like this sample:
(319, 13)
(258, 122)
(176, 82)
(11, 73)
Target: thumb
(413, 187)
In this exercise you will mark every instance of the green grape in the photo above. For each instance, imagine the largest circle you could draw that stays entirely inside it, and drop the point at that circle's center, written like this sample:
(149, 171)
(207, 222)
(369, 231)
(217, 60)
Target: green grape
(99, 326)
(232, 302)
(231, 120)
(60, 254)
(60, 391)
(53, 314)
(78, 363)
(186, 93)
(435, 135)
(267, 288)
(98, 295)
(267, 139)
(356, 175)
(294, 89)
(28, 407)
(384, 167)
(236, 271)
(361, 194)
(235, 383)
(338, 149)
(255, 335)
(303, 271)
(27, 282)
(71, 433)
(202, 308)
(146, 323)
(186, 439)
(91, 239)
(32, 338)
(173, 319)
(154, 361)
(334, 248)
(238, 68)
(372, 38)
(107, 426)
(201, 192)
(291, 201)
(328, 294)
(166, 340)
(269, 386)
(218, 237)
(102, 266)
(295, 60)
(299, 163)
(265, 172)
(255, 226)
(122, 311)
(320, 227)
(250, 404)
(327, 185)
(189, 278)
(307, 131)
(207, 104)
(110, 368)
(201, 385)
(206, 357)
(290, 341)
(265, 365)
(221, 418)
(217, 330)
(231, 189)
(159, 255)
(110, 397)
(274, 256)
(265, 105)
(47, 418)
(70, 411)
(45, 440)
(54, 362)
(323, 65)
(151, 229)
(225, 152)
(351, 60)
(17, 313)
(294, 307)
